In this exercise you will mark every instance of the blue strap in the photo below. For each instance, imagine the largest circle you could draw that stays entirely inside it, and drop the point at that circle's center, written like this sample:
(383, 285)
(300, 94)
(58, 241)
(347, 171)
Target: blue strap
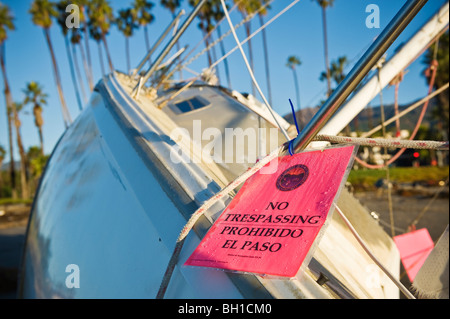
(290, 147)
(295, 118)
(296, 125)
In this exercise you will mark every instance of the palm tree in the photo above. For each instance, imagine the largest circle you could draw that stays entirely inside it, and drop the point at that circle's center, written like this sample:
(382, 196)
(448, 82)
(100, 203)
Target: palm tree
(206, 16)
(324, 4)
(172, 6)
(247, 7)
(126, 23)
(336, 71)
(6, 23)
(75, 40)
(34, 95)
(36, 164)
(218, 15)
(292, 62)
(2, 157)
(42, 12)
(95, 34)
(439, 51)
(144, 17)
(100, 18)
(16, 108)
(83, 5)
(261, 15)
(61, 20)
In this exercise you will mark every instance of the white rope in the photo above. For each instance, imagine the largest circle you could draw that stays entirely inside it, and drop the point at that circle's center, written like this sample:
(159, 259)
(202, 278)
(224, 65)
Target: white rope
(250, 70)
(201, 210)
(405, 291)
(225, 191)
(382, 142)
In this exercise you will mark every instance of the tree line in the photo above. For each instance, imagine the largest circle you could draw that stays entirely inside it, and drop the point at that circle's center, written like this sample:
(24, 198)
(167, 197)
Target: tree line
(96, 18)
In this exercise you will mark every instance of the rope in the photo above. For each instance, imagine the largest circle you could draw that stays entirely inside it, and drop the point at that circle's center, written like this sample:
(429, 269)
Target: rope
(403, 289)
(413, 224)
(386, 167)
(396, 82)
(433, 68)
(409, 109)
(381, 142)
(250, 70)
(242, 178)
(200, 211)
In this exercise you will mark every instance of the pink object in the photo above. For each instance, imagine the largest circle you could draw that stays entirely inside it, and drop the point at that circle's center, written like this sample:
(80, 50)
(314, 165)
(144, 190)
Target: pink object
(271, 224)
(414, 248)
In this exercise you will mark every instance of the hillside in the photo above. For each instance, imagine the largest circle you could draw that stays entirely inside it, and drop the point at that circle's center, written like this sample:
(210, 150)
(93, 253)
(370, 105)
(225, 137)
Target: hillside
(362, 124)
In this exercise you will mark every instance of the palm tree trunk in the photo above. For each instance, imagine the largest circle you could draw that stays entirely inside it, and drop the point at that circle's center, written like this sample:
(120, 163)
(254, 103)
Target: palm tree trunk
(100, 56)
(88, 53)
(127, 52)
(78, 72)
(23, 158)
(214, 57)
(86, 68)
(72, 73)
(225, 62)
(12, 169)
(108, 56)
(325, 45)
(297, 93)
(208, 54)
(37, 112)
(397, 121)
(41, 140)
(1, 179)
(178, 48)
(250, 50)
(65, 112)
(147, 42)
(356, 123)
(266, 59)
(8, 98)
(370, 117)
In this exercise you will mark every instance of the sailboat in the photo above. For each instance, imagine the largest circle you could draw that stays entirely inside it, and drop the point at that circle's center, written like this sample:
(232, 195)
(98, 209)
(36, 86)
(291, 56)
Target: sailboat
(128, 174)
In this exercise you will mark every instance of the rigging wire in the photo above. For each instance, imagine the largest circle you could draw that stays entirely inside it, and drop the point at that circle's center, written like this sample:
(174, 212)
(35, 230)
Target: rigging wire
(433, 68)
(221, 38)
(251, 72)
(406, 111)
(386, 167)
(256, 32)
(397, 282)
(203, 208)
(413, 224)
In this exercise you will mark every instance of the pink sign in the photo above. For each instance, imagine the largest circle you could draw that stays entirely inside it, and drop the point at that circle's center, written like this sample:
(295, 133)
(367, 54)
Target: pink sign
(271, 224)
(414, 248)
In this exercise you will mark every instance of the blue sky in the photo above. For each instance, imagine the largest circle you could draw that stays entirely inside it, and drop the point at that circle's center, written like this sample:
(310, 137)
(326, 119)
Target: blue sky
(297, 32)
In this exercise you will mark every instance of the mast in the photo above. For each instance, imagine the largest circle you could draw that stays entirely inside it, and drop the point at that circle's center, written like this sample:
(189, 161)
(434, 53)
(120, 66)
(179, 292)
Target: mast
(168, 47)
(359, 71)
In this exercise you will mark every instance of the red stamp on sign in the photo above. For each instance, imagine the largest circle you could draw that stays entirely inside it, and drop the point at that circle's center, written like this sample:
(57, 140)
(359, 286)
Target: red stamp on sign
(272, 223)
